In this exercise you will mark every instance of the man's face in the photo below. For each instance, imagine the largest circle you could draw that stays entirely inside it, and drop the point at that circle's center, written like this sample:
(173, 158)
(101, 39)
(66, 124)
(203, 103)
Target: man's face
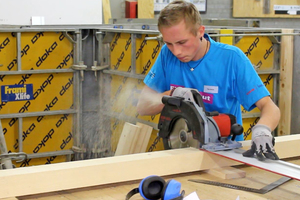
(181, 42)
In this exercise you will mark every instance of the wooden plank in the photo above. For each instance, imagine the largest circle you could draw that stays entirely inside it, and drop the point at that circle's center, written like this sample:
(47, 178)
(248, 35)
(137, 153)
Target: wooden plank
(143, 138)
(9, 198)
(255, 178)
(128, 139)
(257, 9)
(106, 10)
(145, 9)
(118, 169)
(227, 173)
(286, 82)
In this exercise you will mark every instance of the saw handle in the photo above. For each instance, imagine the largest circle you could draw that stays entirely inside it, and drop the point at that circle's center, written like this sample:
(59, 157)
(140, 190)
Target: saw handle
(236, 129)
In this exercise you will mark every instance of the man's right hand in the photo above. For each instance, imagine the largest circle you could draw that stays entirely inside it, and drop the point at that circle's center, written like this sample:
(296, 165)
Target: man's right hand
(183, 92)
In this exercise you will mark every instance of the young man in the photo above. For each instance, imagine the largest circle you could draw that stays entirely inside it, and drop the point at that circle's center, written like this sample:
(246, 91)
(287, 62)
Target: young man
(222, 74)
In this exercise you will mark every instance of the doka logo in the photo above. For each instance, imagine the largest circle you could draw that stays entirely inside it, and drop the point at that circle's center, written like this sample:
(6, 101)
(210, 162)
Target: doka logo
(46, 54)
(4, 43)
(16, 92)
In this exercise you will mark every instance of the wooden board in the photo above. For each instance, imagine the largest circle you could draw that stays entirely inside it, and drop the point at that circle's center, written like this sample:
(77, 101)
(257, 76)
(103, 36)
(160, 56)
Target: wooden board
(255, 178)
(145, 9)
(261, 8)
(227, 173)
(106, 11)
(286, 82)
(119, 169)
(128, 139)
(143, 137)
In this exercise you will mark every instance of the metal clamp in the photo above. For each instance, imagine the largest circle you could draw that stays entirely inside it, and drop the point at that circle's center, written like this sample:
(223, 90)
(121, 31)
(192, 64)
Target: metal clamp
(158, 38)
(81, 67)
(6, 158)
(96, 68)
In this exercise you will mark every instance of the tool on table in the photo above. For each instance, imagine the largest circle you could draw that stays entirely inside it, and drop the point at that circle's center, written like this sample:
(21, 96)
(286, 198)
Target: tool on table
(263, 190)
(185, 123)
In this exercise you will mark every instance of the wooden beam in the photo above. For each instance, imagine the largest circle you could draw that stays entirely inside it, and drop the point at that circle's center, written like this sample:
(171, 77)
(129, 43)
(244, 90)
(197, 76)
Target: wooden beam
(143, 137)
(118, 169)
(261, 8)
(227, 172)
(106, 11)
(145, 9)
(9, 198)
(286, 82)
(128, 139)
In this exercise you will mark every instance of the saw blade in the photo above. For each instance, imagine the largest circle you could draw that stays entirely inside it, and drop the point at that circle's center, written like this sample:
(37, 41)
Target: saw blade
(275, 166)
(181, 137)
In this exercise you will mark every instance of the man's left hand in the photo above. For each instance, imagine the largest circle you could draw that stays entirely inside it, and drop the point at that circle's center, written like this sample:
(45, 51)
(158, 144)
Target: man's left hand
(262, 143)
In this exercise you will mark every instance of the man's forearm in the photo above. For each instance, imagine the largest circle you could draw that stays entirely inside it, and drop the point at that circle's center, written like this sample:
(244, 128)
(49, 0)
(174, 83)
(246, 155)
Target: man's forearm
(270, 116)
(150, 102)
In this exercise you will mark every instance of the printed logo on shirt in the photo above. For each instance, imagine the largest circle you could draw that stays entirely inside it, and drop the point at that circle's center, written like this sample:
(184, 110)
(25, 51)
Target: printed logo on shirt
(258, 86)
(250, 91)
(211, 89)
(207, 98)
(152, 75)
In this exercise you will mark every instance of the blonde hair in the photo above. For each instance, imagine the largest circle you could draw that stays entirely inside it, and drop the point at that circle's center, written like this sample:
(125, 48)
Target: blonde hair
(177, 11)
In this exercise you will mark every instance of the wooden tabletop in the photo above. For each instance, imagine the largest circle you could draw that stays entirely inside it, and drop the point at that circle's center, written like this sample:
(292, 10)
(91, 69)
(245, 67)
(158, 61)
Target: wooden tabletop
(255, 178)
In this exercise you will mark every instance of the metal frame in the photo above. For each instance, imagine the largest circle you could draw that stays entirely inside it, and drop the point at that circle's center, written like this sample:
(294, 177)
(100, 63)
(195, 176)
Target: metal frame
(77, 86)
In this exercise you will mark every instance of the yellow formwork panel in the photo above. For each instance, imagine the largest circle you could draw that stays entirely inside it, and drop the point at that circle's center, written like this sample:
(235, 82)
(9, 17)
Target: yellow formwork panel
(40, 134)
(43, 50)
(259, 49)
(121, 52)
(248, 123)
(8, 53)
(51, 92)
(125, 91)
(226, 39)
(147, 52)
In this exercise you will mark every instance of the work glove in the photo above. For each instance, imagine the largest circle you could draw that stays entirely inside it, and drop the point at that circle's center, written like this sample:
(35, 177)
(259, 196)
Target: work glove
(186, 93)
(262, 144)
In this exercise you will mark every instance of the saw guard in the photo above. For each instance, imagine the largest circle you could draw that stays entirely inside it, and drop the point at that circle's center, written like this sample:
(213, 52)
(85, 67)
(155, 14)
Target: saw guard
(174, 109)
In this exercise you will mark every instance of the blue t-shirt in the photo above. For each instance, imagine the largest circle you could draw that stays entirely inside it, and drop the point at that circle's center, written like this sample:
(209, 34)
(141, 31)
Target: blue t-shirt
(224, 77)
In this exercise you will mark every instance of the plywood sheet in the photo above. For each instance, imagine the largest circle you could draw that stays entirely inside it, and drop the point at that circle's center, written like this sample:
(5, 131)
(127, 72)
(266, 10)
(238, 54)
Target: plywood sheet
(261, 8)
(145, 9)
(286, 82)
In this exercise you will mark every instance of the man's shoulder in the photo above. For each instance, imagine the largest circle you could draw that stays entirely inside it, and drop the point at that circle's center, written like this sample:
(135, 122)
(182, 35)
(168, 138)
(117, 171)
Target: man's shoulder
(228, 49)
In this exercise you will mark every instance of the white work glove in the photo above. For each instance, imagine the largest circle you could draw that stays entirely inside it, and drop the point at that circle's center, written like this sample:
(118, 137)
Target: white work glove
(262, 143)
(183, 92)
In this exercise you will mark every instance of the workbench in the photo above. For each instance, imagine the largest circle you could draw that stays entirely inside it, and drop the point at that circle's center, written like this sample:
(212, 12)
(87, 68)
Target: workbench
(113, 177)
(255, 178)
